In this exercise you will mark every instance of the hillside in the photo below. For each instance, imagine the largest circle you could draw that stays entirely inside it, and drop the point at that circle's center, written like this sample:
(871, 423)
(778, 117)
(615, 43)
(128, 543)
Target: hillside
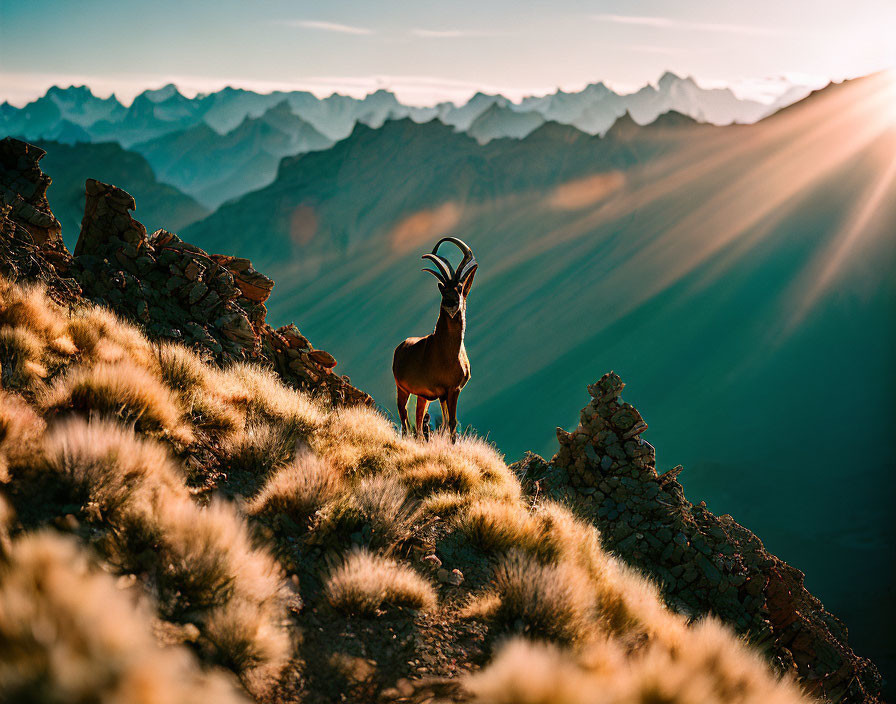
(733, 274)
(160, 203)
(181, 521)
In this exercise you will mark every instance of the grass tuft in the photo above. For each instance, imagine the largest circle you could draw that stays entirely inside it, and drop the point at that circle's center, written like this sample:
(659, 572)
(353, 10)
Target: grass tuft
(123, 391)
(21, 353)
(260, 449)
(377, 508)
(68, 635)
(298, 490)
(550, 602)
(365, 582)
(499, 526)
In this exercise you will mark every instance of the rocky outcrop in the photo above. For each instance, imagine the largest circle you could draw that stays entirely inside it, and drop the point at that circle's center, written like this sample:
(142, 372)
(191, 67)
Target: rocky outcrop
(23, 187)
(704, 564)
(213, 303)
(31, 247)
(177, 291)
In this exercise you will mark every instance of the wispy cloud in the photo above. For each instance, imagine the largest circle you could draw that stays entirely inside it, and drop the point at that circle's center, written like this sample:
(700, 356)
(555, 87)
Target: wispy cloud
(326, 26)
(452, 33)
(668, 23)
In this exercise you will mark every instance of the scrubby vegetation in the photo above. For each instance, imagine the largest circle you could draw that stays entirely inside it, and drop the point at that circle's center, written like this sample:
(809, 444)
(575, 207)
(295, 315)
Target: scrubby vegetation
(365, 582)
(295, 550)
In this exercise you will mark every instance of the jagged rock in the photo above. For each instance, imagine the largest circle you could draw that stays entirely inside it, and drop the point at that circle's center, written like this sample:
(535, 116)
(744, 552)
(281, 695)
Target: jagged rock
(702, 562)
(23, 187)
(294, 339)
(453, 577)
(253, 285)
(107, 221)
(31, 246)
(324, 359)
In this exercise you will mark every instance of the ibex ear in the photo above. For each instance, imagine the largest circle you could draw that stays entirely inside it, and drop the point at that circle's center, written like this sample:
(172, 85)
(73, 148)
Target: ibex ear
(441, 288)
(468, 282)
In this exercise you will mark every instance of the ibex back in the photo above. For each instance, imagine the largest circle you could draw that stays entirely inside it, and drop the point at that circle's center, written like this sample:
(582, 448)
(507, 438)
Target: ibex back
(436, 367)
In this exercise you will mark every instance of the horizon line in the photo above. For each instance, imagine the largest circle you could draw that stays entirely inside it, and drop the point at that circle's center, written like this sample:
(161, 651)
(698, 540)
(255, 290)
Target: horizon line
(436, 89)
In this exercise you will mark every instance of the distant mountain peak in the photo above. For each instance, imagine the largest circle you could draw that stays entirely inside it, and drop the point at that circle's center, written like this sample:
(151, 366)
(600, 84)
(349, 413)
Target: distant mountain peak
(81, 91)
(159, 95)
(669, 78)
(673, 118)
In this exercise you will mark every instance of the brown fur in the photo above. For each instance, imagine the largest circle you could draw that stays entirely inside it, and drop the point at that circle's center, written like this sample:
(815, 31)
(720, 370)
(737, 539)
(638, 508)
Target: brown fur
(435, 367)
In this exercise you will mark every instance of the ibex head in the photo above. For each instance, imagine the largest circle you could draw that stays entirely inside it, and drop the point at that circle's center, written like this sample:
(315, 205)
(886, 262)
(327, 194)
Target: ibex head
(454, 284)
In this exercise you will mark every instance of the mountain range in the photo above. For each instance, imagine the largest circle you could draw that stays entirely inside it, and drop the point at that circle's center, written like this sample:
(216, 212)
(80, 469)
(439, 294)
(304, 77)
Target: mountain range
(198, 144)
(741, 275)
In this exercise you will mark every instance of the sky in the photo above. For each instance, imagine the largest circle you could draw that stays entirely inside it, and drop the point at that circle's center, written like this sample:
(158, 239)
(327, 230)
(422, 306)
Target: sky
(428, 51)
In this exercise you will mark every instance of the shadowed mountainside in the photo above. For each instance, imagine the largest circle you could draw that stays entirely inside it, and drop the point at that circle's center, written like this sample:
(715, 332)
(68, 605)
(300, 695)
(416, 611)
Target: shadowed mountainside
(214, 167)
(739, 275)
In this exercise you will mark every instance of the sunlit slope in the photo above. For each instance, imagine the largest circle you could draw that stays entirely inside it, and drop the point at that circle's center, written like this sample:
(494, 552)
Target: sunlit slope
(742, 275)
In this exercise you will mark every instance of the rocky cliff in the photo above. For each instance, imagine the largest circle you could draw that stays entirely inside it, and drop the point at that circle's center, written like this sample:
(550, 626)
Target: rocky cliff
(704, 564)
(175, 291)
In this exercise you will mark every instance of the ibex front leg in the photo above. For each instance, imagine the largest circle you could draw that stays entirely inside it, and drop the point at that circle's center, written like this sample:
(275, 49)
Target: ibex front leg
(422, 405)
(451, 403)
(403, 397)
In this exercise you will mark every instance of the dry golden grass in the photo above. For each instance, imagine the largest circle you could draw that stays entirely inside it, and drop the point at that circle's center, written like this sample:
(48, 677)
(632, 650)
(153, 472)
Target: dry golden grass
(109, 467)
(550, 602)
(298, 490)
(358, 477)
(29, 307)
(499, 526)
(379, 508)
(365, 582)
(121, 390)
(359, 442)
(524, 672)
(201, 389)
(265, 398)
(104, 337)
(712, 669)
(182, 369)
(260, 449)
(201, 560)
(21, 354)
(20, 432)
(207, 560)
(68, 635)
(444, 504)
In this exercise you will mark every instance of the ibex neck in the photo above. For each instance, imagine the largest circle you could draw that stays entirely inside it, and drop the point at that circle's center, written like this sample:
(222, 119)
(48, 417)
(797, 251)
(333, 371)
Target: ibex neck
(450, 330)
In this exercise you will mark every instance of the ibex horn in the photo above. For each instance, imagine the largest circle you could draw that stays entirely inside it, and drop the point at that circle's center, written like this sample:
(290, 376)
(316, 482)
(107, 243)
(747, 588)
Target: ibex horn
(467, 263)
(444, 272)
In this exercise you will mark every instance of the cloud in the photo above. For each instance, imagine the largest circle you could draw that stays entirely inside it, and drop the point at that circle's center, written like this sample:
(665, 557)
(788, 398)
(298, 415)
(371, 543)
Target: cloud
(452, 33)
(326, 26)
(668, 23)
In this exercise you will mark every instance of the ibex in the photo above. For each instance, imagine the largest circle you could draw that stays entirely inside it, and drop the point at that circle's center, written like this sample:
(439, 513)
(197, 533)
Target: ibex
(436, 366)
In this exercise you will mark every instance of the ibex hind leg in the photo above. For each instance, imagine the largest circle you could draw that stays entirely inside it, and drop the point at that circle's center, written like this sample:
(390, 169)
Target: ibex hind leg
(444, 404)
(403, 397)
